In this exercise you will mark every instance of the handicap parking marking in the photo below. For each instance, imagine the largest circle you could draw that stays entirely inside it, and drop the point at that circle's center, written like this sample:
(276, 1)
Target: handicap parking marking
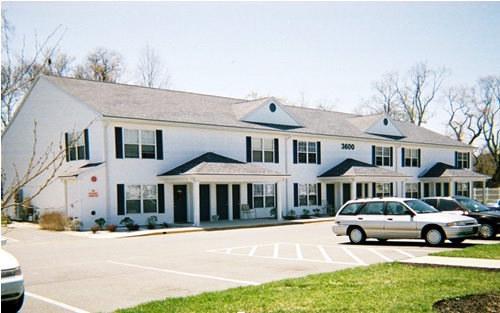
(318, 253)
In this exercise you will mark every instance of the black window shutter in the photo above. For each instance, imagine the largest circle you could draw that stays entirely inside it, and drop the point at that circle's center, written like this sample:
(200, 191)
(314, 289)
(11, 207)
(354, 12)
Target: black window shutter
(374, 189)
(120, 203)
(373, 155)
(318, 152)
(119, 142)
(402, 157)
(295, 152)
(390, 157)
(295, 195)
(319, 194)
(66, 139)
(456, 159)
(419, 155)
(418, 192)
(249, 149)
(161, 198)
(250, 195)
(159, 144)
(391, 189)
(276, 150)
(86, 137)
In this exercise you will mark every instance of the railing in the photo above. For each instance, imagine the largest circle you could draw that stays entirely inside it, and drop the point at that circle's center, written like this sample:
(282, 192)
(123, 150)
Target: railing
(490, 194)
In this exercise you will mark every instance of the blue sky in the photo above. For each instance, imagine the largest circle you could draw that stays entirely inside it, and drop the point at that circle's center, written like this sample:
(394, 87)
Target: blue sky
(322, 51)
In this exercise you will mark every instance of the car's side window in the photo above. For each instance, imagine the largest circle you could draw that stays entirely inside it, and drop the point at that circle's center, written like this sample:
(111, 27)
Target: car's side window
(395, 208)
(373, 208)
(431, 202)
(447, 205)
(350, 209)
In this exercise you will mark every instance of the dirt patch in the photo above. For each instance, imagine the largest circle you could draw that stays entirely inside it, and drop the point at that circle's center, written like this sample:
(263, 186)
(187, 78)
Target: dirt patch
(487, 303)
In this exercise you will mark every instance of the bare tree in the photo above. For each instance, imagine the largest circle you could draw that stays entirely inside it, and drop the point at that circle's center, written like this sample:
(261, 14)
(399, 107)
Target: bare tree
(151, 70)
(475, 117)
(44, 165)
(407, 98)
(101, 65)
(18, 70)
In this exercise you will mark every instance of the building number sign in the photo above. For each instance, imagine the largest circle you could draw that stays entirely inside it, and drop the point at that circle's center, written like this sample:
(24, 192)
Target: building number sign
(347, 146)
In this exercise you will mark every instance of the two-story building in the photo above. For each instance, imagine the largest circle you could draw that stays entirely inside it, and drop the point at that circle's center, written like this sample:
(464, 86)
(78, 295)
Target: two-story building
(185, 157)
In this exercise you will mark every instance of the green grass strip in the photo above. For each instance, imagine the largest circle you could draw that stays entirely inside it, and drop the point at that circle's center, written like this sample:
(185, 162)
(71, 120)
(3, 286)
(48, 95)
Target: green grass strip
(384, 287)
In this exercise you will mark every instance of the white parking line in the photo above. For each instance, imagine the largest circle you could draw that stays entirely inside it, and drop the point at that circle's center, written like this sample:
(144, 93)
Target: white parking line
(186, 274)
(381, 255)
(353, 256)
(405, 253)
(325, 255)
(56, 303)
(276, 250)
(299, 252)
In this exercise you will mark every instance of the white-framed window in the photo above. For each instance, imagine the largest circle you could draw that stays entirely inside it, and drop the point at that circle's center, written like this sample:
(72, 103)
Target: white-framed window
(412, 190)
(411, 157)
(308, 194)
(76, 146)
(383, 156)
(462, 189)
(307, 152)
(462, 160)
(139, 143)
(141, 199)
(383, 190)
(263, 150)
(264, 196)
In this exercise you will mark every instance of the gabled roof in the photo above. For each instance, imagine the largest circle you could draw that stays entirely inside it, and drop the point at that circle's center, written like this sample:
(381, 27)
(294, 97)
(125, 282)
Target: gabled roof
(82, 169)
(150, 104)
(350, 168)
(215, 164)
(443, 171)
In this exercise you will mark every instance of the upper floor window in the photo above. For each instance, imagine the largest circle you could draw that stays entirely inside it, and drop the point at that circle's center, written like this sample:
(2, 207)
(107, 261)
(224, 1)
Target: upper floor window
(462, 160)
(306, 152)
(77, 147)
(263, 150)
(135, 143)
(411, 157)
(382, 156)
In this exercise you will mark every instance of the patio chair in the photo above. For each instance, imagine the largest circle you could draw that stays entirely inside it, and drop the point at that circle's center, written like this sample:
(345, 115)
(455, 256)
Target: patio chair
(247, 211)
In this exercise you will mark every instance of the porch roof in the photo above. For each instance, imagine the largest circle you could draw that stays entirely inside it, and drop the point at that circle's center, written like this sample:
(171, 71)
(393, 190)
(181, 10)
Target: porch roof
(445, 172)
(80, 170)
(210, 166)
(354, 170)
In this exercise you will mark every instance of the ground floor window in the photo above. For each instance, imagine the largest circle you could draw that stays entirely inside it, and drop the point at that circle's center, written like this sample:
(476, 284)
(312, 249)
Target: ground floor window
(462, 189)
(264, 196)
(383, 190)
(308, 194)
(141, 199)
(412, 190)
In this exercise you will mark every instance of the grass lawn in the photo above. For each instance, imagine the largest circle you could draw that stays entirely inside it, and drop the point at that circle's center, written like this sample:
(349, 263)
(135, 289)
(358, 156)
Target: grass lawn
(478, 252)
(385, 287)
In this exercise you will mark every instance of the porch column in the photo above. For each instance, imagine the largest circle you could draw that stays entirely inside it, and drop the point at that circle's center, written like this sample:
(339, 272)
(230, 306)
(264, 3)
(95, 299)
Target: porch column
(196, 203)
(230, 202)
(279, 209)
(354, 191)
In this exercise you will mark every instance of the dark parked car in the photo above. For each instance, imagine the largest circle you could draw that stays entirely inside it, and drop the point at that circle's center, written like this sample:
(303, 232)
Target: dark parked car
(487, 217)
(495, 205)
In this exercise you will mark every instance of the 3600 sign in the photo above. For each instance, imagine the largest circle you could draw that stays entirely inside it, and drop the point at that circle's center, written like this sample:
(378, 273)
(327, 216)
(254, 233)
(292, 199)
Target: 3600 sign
(347, 146)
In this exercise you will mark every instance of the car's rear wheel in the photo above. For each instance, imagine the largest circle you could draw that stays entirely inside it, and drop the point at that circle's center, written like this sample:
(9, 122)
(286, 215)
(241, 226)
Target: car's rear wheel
(434, 236)
(357, 235)
(486, 231)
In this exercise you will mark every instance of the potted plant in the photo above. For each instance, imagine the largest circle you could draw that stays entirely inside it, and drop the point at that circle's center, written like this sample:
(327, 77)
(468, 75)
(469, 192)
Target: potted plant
(100, 222)
(290, 215)
(273, 212)
(317, 211)
(305, 213)
(151, 222)
(110, 227)
(129, 223)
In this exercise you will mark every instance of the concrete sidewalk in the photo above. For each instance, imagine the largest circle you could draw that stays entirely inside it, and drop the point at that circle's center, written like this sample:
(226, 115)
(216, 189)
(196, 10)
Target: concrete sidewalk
(454, 262)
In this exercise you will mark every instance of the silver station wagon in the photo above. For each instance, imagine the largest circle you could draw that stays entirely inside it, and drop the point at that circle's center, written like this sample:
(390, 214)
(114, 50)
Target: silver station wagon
(401, 218)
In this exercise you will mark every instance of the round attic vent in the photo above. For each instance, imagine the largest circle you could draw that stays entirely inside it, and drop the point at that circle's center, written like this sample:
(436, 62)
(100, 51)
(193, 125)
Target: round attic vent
(386, 121)
(272, 107)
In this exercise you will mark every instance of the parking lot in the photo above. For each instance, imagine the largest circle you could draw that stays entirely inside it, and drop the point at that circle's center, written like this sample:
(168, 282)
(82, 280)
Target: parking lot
(68, 273)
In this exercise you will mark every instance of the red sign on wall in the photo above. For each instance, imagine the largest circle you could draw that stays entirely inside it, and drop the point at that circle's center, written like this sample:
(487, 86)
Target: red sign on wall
(93, 194)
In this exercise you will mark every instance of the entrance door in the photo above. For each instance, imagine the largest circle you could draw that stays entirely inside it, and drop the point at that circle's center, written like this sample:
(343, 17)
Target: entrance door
(222, 202)
(180, 203)
(236, 201)
(204, 203)
(346, 192)
(330, 196)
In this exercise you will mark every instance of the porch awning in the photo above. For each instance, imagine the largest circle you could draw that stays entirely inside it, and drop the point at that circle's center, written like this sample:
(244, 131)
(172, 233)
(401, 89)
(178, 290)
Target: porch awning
(351, 170)
(448, 173)
(80, 170)
(212, 167)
